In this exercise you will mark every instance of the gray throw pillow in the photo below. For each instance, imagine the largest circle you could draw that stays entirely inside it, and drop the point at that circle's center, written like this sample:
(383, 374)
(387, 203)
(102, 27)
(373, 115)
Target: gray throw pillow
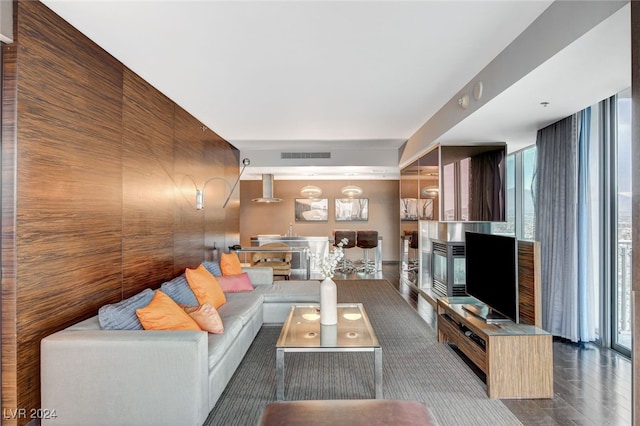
(178, 289)
(213, 268)
(122, 315)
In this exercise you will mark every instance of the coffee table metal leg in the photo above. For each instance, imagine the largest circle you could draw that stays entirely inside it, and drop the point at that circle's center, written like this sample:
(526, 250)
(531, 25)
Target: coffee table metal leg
(280, 374)
(377, 360)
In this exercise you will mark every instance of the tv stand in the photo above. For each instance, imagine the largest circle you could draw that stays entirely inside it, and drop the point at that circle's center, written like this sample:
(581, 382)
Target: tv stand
(516, 358)
(487, 314)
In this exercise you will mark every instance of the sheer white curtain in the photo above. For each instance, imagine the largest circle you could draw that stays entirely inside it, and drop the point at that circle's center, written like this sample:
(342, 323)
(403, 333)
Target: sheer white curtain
(562, 218)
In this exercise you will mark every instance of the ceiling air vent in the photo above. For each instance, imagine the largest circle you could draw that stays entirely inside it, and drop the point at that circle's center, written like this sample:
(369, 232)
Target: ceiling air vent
(303, 155)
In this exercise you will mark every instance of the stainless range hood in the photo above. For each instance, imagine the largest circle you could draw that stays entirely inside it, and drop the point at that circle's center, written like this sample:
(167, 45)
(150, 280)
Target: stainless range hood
(267, 191)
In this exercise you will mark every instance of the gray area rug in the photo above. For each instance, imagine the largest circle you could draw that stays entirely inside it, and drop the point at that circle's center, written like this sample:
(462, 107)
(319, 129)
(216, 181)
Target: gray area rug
(415, 367)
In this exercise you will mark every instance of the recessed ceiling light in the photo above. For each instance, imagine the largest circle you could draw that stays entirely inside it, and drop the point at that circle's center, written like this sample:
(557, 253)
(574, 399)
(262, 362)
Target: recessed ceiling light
(477, 90)
(463, 102)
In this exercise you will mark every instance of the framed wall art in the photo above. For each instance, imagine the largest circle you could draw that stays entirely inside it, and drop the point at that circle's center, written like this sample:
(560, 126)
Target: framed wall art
(416, 208)
(312, 209)
(352, 209)
(408, 209)
(426, 208)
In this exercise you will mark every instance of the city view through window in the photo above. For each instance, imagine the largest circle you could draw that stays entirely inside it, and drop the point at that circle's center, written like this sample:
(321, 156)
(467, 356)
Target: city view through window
(622, 290)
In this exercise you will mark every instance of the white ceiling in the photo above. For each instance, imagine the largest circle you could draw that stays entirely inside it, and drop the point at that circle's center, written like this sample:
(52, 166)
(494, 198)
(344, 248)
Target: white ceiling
(592, 68)
(317, 75)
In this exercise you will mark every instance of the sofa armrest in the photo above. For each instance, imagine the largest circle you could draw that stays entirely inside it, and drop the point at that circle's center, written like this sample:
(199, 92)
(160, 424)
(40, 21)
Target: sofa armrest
(259, 275)
(125, 377)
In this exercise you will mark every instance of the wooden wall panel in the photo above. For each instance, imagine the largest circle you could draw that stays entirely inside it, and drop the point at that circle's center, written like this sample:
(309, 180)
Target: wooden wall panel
(9, 263)
(68, 218)
(202, 156)
(231, 227)
(221, 225)
(189, 171)
(529, 292)
(148, 188)
(95, 201)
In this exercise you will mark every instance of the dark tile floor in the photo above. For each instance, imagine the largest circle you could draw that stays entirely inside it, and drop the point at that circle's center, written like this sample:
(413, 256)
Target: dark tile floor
(592, 385)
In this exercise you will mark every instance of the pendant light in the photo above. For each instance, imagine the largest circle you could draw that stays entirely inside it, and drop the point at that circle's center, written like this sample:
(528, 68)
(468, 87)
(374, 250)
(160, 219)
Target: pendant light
(429, 192)
(351, 191)
(311, 191)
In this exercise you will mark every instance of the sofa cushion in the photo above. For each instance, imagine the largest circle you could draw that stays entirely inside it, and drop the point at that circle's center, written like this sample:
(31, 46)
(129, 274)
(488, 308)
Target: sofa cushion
(213, 267)
(243, 305)
(90, 324)
(235, 283)
(205, 287)
(207, 318)
(219, 344)
(122, 315)
(290, 291)
(178, 289)
(162, 313)
(259, 275)
(230, 264)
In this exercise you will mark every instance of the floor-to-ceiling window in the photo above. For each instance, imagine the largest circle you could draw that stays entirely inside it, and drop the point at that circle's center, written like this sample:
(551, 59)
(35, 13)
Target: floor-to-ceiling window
(596, 214)
(621, 289)
(610, 169)
(508, 227)
(521, 214)
(528, 216)
(609, 209)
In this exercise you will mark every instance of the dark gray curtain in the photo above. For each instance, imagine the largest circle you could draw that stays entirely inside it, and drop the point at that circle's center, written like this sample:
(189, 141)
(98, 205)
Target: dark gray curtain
(486, 178)
(561, 177)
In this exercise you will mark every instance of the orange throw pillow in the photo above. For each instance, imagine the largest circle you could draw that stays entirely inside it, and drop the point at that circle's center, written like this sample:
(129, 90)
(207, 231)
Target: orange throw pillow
(162, 313)
(207, 318)
(230, 264)
(205, 287)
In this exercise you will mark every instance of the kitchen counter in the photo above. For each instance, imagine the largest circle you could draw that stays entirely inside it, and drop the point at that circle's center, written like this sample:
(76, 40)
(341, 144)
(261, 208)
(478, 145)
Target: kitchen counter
(318, 245)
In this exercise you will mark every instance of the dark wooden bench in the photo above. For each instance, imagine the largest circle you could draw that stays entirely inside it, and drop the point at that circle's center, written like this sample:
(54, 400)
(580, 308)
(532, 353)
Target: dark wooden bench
(365, 412)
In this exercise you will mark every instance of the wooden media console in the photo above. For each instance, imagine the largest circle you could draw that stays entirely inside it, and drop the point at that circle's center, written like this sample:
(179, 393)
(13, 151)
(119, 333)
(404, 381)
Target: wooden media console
(516, 358)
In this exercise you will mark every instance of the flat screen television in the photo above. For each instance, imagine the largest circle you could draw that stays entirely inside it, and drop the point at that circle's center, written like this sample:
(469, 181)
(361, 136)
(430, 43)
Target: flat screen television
(492, 276)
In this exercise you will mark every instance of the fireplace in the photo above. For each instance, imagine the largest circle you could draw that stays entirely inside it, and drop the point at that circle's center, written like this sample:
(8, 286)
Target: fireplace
(448, 268)
(442, 260)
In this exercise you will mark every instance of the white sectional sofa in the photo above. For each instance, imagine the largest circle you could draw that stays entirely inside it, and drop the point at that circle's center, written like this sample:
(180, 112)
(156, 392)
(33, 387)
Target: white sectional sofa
(92, 376)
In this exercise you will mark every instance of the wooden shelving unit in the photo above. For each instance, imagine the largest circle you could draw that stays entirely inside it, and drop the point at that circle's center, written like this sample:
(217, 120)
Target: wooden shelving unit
(516, 358)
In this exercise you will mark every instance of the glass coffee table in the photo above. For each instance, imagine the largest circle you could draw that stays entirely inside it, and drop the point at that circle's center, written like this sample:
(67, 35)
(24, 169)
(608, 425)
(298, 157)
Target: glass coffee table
(302, 332)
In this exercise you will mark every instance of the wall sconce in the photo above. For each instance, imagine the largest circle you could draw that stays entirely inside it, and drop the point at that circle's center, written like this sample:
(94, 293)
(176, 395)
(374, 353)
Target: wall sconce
(351, 191)
(200, 192)
(311, 191)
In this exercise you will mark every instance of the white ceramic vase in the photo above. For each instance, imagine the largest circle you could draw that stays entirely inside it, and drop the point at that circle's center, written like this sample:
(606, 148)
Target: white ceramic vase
(328, 336)
(328, 302)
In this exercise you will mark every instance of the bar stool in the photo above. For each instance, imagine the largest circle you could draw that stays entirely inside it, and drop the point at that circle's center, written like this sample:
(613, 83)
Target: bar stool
(339, 235)
(367, 240)
(413, 247)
